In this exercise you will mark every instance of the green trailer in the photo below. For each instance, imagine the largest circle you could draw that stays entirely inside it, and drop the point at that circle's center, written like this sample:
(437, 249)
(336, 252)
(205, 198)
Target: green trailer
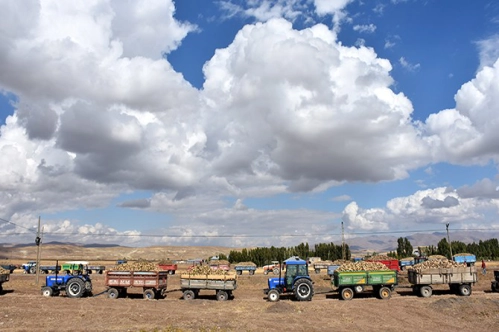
(349, 283)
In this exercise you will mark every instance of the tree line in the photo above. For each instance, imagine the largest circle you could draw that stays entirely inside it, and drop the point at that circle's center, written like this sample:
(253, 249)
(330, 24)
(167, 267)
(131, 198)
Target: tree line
(488, 249)
(262, 256)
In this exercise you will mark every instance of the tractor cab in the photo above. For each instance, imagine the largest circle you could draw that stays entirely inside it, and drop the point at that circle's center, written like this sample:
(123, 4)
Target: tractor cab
(296, 280)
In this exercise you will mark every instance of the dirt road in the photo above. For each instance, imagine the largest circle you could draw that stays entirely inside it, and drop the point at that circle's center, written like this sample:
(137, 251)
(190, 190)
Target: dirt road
(24, 309)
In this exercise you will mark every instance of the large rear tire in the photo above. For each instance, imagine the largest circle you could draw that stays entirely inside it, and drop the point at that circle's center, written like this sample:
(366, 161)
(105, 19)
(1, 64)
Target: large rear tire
(75, 288)
(113, 293)
(276, 271)
(273, 295)
(347, 294)
(47, 291)
(32, 270)
(303, 290)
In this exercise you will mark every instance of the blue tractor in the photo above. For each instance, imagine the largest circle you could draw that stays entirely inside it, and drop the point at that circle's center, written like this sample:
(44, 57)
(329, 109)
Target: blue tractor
(296, 281)
(75, 286)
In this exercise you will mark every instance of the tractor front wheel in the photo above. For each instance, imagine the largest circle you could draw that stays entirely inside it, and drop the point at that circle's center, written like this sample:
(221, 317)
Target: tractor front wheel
(303, 289)
(47, 291)
(75, 287)
(273, 295)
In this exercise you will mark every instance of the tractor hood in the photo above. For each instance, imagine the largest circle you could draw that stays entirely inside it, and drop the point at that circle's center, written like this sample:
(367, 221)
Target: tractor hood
(274, 282)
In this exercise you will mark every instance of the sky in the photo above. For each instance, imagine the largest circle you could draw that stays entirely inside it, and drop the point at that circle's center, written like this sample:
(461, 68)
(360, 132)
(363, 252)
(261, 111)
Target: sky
(247, 123)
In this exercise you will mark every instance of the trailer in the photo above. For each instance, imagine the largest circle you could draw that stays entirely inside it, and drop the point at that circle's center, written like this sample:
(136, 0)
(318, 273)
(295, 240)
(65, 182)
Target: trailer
(468, 259)
(392, 264)
(350, 283)
(4, 277)
(321, 265)
(494, 284)
(223, 285)
(30, 268)
(241, 268)
(459, 279)
(95, 269)
(153, 283)
(171, 268)
(9, 267)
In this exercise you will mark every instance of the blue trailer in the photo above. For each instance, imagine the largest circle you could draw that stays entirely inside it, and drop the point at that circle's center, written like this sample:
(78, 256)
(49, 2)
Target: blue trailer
(240, 268)
(467, 259)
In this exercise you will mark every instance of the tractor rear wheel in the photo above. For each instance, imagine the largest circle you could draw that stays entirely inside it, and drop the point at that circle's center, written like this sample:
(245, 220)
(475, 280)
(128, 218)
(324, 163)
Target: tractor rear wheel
(384, 293)
(303, 290)
(347, 294)
(113, 293)
(47, 291)
(222, 295)
(273, 295)
(75, 287)
(149, 294)
(32, 270)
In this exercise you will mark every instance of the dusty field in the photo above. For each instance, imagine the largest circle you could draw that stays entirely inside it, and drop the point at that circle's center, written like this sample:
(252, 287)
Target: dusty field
(24, 309)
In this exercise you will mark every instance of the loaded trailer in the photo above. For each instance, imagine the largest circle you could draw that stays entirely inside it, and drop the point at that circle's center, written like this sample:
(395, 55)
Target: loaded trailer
(241, 268)
(321, 265)
(350, 283)
(153, 283)
(459, 279)
(223, 285)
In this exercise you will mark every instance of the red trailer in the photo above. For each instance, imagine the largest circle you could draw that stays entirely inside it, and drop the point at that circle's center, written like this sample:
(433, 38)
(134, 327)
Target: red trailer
(153, 283)
(392, 264)
(171, 268)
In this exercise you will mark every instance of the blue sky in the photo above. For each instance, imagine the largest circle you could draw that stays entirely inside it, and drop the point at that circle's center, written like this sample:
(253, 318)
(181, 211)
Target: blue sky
(247, 122)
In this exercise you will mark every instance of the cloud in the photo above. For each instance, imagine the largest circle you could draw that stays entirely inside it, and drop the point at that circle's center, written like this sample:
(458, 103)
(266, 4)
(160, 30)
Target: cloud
(366, 28)
(341, 198)
(430, 203)
(263, 11)
(467, 134)
(409, 66)
(488, 51)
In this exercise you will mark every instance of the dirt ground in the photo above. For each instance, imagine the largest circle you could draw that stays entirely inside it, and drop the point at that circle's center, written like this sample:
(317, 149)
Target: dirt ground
(22, 308)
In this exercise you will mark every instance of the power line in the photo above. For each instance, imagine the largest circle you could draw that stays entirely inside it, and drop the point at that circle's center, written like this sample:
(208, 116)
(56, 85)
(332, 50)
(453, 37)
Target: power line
(10, 222)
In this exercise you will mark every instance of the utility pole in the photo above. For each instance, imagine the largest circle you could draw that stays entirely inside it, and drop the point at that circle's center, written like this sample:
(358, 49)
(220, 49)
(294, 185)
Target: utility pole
(448, 239)
(37, 242)
(343, 254)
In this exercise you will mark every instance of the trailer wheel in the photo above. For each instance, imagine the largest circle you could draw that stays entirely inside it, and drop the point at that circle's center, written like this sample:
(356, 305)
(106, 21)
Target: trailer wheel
(171, 272)
(47, 291)
(385, 293)
(189, 295)
(113, 293)
(425, 291)
(276, 271)
(273, 295)
(494, 286)
(347, 294)
(100, 271)
(43, 271)
(75, 287)
(239, 272)
(222, 295)
(252, 272)
(149, 294)
(465, 290)
(303, 289)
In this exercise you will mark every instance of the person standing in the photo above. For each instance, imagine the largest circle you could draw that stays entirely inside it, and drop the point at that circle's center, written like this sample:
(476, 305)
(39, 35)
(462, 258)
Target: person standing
(484, 267)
